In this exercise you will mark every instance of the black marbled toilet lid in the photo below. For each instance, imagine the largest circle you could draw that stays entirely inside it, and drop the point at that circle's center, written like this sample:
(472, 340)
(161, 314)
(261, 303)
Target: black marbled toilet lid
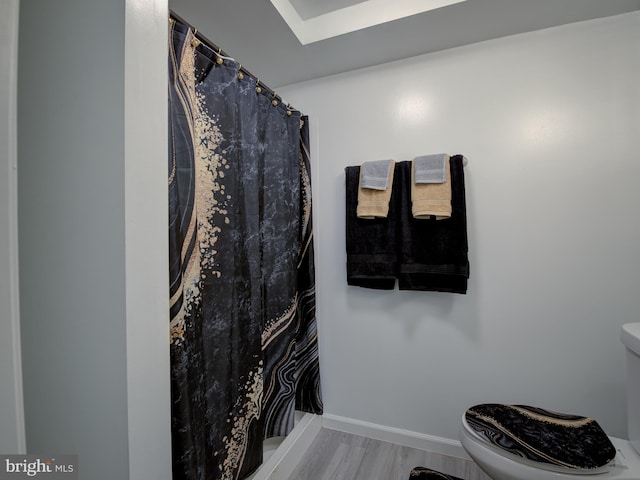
(557, 439)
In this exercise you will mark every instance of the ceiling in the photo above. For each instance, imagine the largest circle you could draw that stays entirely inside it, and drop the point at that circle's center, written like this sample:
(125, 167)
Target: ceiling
(312, 8)
(255, 34)
(338, 17)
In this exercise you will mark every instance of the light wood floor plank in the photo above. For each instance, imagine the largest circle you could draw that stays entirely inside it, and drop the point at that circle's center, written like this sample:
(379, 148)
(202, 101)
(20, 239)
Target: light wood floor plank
(379, 461)
(354, 451)
(342, 456)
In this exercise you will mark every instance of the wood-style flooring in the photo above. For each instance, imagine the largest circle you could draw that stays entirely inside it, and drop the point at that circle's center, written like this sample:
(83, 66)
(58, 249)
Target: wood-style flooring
(337, 455)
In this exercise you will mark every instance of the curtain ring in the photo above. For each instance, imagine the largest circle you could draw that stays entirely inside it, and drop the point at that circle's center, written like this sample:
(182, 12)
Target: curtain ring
(240, 74)
(258, 87)
(195, 42)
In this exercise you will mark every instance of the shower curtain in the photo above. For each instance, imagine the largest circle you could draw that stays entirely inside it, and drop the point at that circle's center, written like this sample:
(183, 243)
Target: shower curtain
(243, 334)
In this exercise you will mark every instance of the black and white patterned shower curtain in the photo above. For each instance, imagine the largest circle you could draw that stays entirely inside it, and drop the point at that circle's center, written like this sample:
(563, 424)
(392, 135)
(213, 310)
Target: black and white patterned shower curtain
(243, 333)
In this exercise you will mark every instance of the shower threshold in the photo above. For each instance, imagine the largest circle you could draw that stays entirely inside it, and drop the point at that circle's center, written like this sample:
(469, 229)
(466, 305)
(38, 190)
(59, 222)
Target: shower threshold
(282, 454)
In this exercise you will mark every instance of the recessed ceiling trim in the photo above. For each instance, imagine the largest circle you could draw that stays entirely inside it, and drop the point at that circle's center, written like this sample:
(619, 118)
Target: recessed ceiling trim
(352, 18)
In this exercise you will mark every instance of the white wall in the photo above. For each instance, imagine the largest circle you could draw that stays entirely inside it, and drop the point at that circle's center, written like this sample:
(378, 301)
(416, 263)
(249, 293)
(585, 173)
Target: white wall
(146, 239)
(92, 136)
(550, 122)
(11, 406)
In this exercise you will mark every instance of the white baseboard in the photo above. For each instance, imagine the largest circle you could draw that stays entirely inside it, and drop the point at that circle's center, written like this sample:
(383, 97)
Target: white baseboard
(407, 438)
(284, 460)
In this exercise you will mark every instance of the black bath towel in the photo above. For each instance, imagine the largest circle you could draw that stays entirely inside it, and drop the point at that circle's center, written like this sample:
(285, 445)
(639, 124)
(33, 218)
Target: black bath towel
(433, 253)
(372, 254)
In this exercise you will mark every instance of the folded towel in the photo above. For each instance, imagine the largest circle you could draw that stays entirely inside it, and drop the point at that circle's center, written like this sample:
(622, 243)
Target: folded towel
(433, 254)
(431, 199)
(375, 203)
(431, 168)
(371, 244)
(375, 175)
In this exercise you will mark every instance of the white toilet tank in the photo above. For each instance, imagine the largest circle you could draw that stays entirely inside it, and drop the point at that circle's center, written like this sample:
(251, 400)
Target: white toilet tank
(630, 337)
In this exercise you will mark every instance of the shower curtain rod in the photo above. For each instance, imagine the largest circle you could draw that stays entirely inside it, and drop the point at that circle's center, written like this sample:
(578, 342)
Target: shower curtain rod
(222, 53)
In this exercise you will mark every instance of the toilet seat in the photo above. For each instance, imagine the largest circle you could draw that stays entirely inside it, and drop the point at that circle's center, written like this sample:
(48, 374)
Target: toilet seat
(566, 444)
(482, 449)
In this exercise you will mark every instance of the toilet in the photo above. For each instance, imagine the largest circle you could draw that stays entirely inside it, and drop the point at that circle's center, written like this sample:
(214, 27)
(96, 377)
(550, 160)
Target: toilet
(487, 435)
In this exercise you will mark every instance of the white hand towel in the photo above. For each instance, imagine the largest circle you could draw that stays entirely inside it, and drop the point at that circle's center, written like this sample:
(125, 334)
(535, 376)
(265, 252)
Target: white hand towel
(374, 203)
(430, 168)
(375, 175)
(431, 199)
